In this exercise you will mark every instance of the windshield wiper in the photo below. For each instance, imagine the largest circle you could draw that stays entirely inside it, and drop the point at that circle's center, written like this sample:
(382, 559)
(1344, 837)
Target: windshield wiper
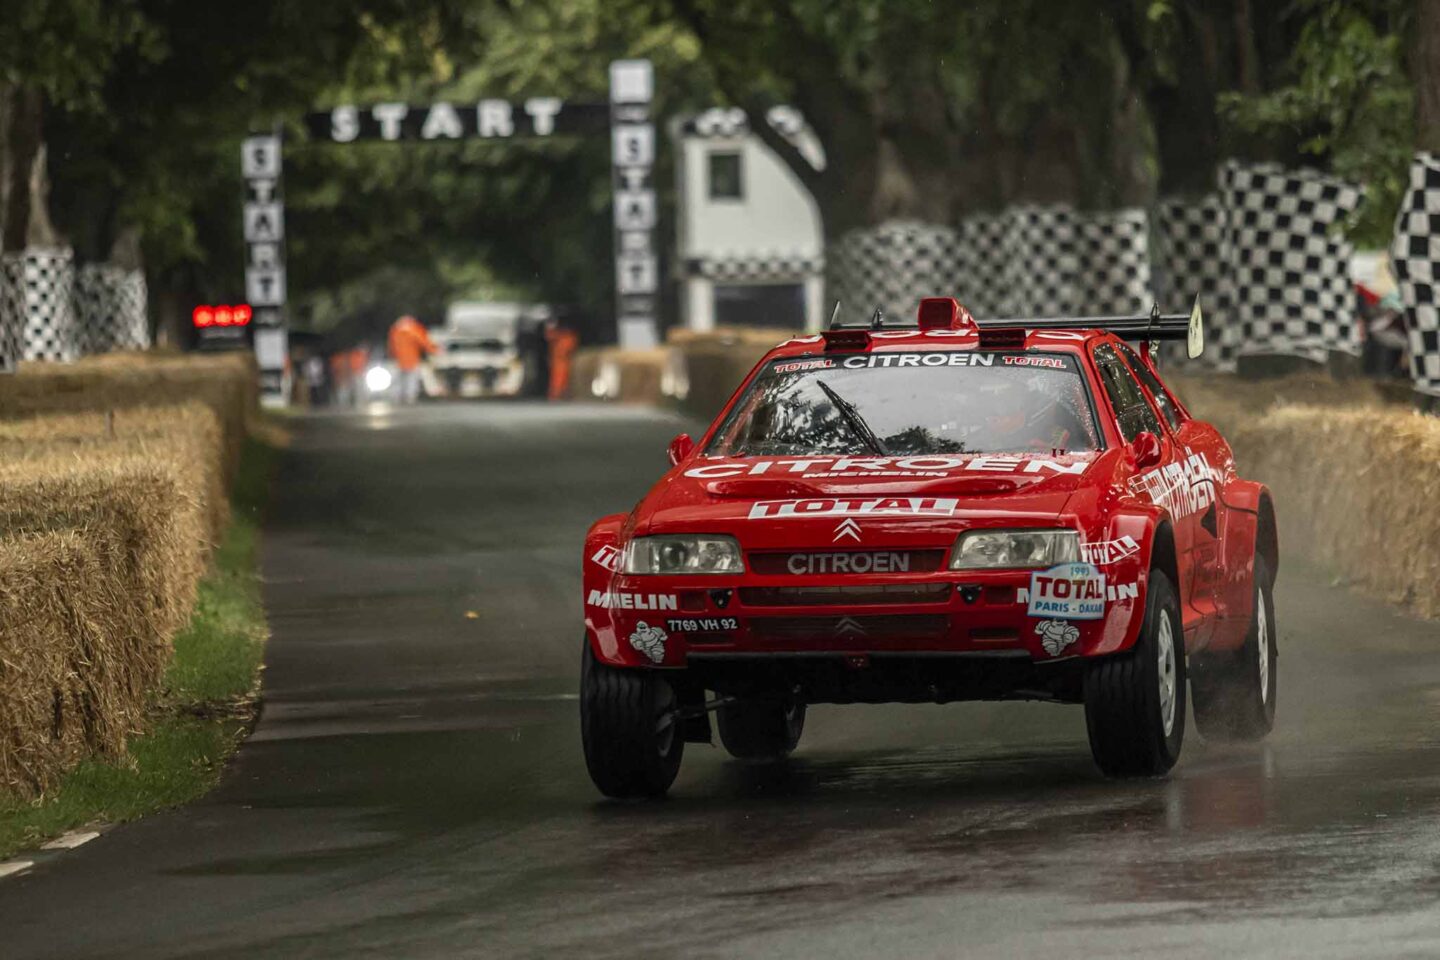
(852, 417)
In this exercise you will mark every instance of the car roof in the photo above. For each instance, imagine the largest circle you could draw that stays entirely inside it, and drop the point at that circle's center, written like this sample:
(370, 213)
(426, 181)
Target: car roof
(1067, 341)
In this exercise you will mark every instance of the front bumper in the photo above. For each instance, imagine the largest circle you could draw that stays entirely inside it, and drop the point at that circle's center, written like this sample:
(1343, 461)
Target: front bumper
(668, 621)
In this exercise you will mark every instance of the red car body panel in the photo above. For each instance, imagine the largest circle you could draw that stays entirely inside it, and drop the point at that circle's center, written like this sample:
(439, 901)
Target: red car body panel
(895, 520)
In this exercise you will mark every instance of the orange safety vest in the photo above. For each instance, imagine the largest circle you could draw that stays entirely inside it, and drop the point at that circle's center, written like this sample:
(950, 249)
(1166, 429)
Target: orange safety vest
(409, 342)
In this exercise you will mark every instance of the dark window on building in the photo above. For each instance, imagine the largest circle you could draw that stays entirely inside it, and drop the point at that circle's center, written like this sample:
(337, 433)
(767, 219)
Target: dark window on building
(727, 176)
(1131, 408)
(760, 305)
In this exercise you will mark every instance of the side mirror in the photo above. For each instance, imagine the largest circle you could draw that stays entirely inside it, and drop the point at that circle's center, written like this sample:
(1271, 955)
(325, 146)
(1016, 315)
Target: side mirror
(1147, 450)
(680, 448)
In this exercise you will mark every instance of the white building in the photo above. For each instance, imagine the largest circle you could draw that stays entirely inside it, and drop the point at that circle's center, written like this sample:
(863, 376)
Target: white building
(751, 246)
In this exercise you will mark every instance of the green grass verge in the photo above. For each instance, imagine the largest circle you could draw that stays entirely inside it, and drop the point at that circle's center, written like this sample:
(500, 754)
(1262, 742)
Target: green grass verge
(202, 712)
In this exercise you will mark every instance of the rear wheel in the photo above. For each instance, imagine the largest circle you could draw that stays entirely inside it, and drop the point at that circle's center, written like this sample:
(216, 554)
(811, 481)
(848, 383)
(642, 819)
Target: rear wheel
(1135, 701)
(1235, 691)
(633, 743)
(761, 729)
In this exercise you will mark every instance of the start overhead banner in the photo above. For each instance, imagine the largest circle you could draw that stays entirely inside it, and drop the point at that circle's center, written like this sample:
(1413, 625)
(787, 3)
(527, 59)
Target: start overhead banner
(483, 119)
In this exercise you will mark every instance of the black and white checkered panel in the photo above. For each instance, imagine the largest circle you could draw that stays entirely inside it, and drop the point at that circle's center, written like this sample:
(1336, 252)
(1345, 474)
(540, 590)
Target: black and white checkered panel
(891, 267)
(1289, 264)
(1415, 252)
(1113, 248)
(1191, 260)
(1042, 261)
(110, 309)
(982, 261)
(40, 282)
(758, 268)
(11, 318)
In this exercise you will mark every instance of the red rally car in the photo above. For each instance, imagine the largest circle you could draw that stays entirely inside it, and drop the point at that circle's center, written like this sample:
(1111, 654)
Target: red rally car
(955, 510)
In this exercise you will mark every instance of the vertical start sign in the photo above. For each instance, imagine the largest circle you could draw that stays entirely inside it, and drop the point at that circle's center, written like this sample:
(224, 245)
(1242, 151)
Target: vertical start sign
(265, 262)
(632, 150)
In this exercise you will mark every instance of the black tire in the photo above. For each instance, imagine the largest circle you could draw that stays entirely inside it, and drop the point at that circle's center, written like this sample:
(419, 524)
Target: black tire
(761, 729)
(1123, 702)
(1235, 692)
(627, 752)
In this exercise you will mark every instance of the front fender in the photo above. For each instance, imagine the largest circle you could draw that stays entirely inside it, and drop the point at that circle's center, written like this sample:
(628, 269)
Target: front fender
(1124, 553)
(602, 589)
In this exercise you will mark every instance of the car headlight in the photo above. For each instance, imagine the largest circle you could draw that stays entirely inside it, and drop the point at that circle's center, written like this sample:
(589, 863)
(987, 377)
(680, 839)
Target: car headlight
(1014, 549)
(682, 554)
(377, 379)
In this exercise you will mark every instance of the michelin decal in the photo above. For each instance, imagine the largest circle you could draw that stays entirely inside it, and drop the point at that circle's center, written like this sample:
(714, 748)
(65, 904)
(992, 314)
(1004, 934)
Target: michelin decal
(1056, 635)
(650, 641)
(610, 600)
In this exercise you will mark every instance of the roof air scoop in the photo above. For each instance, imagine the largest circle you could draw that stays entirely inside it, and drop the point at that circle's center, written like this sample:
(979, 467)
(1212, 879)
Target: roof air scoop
(945, 313)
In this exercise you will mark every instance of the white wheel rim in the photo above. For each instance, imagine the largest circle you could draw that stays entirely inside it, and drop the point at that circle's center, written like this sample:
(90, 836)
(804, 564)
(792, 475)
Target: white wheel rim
(1165, 641)
(1262, 637)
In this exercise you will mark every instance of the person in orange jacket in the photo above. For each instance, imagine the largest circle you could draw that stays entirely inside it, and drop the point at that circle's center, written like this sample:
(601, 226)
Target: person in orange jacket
(409, 342)
(562, 343)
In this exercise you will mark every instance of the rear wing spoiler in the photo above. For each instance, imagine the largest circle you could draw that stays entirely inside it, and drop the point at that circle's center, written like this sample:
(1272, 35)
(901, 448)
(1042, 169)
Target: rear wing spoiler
(946, 313)
(1189, 328)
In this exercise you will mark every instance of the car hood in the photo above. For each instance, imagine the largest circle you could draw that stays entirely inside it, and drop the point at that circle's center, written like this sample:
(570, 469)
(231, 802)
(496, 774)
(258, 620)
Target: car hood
(860, 502)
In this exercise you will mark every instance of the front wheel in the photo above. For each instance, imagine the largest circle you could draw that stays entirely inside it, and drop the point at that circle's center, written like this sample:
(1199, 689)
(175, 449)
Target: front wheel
(761, 729)
(633, 741)
(1235, 691)
(1135, 701)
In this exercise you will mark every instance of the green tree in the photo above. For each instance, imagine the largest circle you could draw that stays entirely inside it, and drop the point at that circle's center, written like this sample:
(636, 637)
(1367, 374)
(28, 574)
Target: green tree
(1344, 100)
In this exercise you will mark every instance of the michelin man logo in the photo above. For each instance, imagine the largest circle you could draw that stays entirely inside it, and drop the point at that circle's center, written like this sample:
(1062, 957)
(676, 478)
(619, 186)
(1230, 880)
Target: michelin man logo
(649, 641)
(1055, 635)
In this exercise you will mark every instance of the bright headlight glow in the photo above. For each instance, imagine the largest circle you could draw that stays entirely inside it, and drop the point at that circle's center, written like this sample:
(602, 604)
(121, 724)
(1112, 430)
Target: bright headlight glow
(1014, 549)
(682, 554)
(377, 379)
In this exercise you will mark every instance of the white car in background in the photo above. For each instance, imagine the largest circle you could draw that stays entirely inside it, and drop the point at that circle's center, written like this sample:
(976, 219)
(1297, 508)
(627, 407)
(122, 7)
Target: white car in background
(487, 350)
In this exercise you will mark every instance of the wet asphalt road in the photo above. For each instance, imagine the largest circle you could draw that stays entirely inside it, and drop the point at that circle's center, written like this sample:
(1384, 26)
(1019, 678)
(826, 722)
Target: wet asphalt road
(415, 788)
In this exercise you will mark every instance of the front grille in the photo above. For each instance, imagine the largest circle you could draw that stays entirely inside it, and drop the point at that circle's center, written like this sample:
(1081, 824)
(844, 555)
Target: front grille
(792, 562)
(844, 596)
(851, 630)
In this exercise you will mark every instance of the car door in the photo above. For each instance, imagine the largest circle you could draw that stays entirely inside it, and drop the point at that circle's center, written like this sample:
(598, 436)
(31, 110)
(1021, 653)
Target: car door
(1165, 483)
(1193, 442)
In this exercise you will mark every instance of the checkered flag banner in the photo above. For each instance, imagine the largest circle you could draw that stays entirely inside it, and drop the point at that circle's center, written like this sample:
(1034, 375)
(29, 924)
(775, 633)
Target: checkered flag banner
(892, 266)
(1025, 262)
(11, 320)
(36, 299)
(1192, 259)
(1416, 255)
(757, 267)
(1289, 265)
(110, 308)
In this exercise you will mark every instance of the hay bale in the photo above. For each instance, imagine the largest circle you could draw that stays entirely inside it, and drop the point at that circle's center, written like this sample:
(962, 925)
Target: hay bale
(1353, 487)
(69, 686)
(628, 376)
(188, 434)
(140, 514)
(226, 383)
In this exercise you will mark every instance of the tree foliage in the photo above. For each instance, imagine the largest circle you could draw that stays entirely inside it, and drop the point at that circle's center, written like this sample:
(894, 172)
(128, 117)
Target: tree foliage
(927, 111)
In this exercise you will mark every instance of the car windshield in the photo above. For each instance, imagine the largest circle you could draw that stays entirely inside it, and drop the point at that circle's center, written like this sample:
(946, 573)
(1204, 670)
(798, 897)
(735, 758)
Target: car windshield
(910, 404)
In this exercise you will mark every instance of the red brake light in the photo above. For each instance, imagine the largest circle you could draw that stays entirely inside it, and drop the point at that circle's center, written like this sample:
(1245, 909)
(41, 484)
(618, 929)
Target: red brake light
(846, 339)
(1002, 336)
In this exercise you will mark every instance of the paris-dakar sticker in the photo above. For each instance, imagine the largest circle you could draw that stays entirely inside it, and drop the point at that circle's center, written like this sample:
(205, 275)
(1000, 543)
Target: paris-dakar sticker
(1068, 591)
